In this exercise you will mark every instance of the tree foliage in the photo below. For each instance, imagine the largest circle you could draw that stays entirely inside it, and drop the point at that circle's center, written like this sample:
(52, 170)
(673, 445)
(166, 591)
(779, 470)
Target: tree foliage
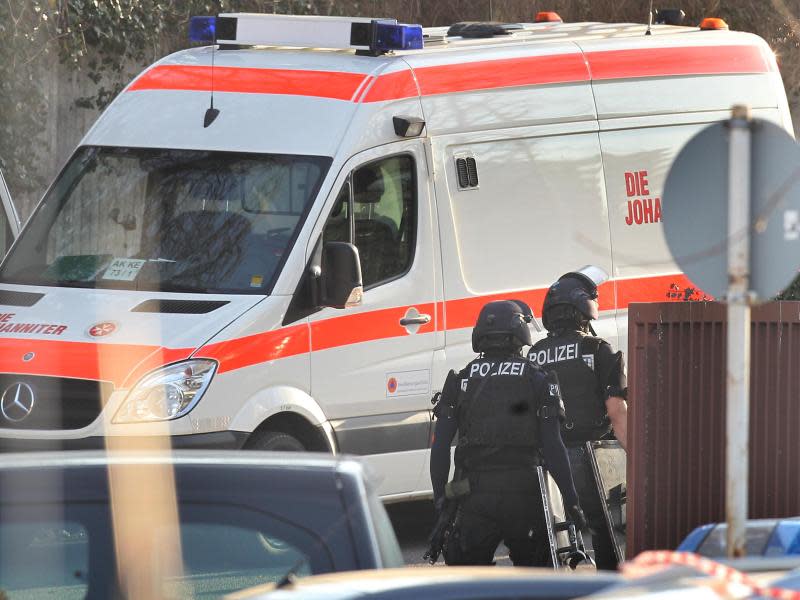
(96, 38)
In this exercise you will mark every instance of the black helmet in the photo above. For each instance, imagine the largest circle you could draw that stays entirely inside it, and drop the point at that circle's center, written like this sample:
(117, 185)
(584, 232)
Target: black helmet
(502, 325)
(572, 298)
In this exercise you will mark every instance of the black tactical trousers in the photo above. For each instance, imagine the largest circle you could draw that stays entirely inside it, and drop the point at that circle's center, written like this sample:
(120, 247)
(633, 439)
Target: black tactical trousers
(592, 506)
(501, 507)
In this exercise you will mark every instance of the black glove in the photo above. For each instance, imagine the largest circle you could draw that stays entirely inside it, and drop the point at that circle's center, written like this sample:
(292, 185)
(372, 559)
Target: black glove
(577, 517)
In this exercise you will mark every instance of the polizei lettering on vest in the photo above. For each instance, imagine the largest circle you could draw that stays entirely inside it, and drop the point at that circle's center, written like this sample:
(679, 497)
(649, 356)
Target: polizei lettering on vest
(490, 369)
(557, 354)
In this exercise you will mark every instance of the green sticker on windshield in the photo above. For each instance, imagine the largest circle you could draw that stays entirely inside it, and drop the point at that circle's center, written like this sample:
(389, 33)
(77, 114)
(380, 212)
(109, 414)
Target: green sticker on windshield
(76, 268)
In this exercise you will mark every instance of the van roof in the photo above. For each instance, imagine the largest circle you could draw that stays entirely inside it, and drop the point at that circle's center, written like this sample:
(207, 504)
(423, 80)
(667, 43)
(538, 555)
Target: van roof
(295, 66)
(551, 52)
(436, 38)
(293, 100)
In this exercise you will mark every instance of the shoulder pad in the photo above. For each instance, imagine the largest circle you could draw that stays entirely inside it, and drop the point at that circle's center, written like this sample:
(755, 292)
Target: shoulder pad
(592, 344)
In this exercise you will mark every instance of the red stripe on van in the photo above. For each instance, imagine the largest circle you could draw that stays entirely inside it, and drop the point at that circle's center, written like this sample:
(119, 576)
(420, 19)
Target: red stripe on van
(665, 62)
(392, 86)
(463, 312)
(321, 84)
(158, 358)
(366, 326)
(258, 348)
(664, 288)
(83, 360)
(464, 77)
(112, 362)
(510, 72)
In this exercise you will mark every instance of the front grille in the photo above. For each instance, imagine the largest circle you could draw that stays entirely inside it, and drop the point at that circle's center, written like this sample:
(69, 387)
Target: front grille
(57, 403)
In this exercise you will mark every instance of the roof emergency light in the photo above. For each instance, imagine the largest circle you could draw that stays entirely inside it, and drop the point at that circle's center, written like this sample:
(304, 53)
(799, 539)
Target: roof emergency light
(713, 23)
(202, 29)
(247, 29)
(548, 17)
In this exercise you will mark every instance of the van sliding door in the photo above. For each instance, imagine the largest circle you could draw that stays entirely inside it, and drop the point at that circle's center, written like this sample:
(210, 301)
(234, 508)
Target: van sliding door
(537, 210)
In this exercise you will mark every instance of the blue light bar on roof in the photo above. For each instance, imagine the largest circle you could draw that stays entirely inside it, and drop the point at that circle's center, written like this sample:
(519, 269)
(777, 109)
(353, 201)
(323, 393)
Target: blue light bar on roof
(396, 36)
(203, 29)
(365, 34)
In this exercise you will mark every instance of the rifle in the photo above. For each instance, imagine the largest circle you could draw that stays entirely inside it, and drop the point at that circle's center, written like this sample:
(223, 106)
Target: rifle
(442, 531)
(447, 523)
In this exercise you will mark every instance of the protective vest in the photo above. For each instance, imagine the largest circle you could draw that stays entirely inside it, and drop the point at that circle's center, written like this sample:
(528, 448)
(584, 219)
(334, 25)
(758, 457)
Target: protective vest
(497, 413)
(572, 355)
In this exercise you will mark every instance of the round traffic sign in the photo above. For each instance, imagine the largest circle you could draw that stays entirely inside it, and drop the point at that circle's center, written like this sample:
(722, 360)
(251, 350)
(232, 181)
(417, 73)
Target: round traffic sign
(695, 209)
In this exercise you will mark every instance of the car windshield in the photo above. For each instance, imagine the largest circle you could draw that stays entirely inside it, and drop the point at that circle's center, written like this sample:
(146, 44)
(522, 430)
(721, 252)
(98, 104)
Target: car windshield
(167, 220)
(67, 551)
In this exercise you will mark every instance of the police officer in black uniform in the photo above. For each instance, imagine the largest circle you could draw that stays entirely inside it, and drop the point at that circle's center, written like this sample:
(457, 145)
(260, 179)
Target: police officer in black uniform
(507, 413)
(593, 387)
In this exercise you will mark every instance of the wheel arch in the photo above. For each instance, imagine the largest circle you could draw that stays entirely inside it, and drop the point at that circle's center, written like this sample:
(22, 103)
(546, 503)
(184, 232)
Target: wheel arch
(289, 410)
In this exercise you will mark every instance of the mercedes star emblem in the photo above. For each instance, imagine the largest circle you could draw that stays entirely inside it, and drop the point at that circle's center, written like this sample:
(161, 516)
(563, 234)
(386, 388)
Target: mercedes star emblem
(17, 400)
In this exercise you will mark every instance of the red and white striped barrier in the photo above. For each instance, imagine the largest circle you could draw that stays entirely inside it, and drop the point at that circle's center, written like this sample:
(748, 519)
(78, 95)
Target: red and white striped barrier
(649, 562)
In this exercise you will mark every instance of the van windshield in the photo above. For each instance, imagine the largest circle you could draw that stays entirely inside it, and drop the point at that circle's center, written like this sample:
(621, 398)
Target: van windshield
(167, 220)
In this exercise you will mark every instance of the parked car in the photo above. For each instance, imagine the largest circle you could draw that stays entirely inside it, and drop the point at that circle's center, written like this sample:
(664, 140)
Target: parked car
(764, 537)
(243, 519)
(446, 583)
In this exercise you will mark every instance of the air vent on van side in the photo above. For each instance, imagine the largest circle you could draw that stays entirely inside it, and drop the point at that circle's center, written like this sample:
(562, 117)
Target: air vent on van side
(183, 307)
(14, 298)
(467, 170)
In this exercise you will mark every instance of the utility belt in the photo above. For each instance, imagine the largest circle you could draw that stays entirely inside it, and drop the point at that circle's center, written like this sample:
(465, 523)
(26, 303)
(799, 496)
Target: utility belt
(509, 480)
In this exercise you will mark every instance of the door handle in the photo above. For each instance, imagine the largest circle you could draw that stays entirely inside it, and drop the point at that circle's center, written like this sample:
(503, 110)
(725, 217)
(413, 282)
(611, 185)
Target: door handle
(418, 320)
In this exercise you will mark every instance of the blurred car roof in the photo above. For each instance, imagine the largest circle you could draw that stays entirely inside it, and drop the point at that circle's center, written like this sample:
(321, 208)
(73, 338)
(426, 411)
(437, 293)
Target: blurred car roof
(76, 458)
(442, 583)
(763, 537)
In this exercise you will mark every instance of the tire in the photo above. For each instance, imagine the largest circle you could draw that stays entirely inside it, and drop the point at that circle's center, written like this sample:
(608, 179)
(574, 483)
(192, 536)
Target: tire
(274, 440)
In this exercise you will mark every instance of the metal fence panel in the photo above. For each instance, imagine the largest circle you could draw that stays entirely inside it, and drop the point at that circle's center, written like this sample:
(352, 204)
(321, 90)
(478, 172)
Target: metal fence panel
(676, 438)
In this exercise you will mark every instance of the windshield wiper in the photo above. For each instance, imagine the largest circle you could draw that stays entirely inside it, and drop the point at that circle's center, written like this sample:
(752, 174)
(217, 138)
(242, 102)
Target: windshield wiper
(79, 283)
(182, 288)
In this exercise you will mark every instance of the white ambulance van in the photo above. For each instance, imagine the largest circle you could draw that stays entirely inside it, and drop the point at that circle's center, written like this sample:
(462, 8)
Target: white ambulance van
(192, 270)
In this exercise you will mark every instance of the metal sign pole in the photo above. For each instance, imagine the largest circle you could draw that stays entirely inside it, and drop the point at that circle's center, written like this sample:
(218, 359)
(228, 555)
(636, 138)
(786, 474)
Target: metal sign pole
(738, 380)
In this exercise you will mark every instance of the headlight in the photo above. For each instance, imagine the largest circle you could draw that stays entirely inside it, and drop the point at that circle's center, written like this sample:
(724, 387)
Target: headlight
(168, 393)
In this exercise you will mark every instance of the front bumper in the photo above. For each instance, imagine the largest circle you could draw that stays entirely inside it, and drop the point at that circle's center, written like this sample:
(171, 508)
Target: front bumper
(218, 440)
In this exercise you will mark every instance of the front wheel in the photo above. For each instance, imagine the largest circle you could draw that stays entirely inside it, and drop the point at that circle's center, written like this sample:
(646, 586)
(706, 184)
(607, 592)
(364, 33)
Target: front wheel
(274, 440)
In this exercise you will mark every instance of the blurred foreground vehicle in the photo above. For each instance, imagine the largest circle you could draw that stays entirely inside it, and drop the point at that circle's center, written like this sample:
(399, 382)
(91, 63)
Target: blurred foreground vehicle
(242, 520)
(764, 537)
(446, 583)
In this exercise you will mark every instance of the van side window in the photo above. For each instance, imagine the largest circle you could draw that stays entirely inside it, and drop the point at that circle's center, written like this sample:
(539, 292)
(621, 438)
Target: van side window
(383, 221)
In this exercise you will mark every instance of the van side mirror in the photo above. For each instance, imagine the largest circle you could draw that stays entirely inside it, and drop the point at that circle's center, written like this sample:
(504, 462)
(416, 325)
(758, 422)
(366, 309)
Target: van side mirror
(341, 275)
